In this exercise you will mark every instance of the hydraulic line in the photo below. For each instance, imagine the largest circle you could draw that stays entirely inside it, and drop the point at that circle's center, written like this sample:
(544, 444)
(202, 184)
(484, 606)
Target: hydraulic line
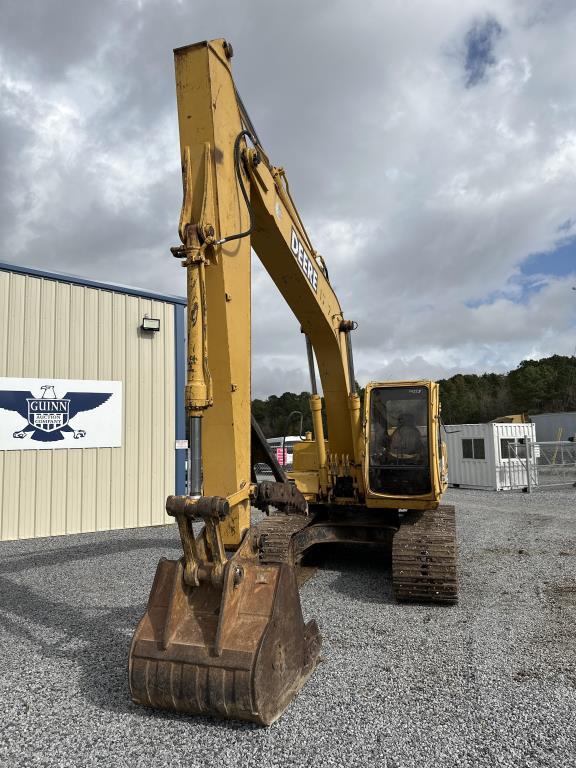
(238, 169)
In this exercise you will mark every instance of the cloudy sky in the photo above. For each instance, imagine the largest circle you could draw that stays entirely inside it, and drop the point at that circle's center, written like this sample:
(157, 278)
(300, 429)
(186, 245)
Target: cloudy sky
(430, 146)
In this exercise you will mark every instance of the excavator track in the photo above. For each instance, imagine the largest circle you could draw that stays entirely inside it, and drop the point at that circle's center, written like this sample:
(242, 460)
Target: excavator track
(424, 557)
(274, 535)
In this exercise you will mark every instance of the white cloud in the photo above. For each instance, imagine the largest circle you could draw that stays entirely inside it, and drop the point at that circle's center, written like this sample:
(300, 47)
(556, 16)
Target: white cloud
(424, 196)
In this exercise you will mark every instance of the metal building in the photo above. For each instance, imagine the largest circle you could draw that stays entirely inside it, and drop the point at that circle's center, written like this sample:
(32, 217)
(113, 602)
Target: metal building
(91, 404)
(488, 456)
(554, 426)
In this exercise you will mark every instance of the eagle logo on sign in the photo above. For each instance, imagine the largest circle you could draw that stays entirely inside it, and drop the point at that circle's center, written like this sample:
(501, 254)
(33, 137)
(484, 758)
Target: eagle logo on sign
(48, 416)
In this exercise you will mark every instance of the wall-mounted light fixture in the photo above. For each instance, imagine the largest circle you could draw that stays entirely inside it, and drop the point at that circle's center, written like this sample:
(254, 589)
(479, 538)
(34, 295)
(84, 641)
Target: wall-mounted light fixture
(150, 323)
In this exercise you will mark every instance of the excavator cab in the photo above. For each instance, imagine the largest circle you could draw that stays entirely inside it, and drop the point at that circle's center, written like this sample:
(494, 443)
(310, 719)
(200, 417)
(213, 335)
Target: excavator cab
(399, 445)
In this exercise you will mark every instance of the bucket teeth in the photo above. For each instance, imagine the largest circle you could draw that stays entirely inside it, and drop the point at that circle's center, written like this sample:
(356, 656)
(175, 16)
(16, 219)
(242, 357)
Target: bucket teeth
(238, 651)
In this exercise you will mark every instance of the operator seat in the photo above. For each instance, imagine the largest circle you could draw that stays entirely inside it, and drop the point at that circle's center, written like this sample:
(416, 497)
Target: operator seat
(406, 442)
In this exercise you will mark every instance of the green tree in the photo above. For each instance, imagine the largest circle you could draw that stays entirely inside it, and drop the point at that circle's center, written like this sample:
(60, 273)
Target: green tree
(535, 386)
(272, 414)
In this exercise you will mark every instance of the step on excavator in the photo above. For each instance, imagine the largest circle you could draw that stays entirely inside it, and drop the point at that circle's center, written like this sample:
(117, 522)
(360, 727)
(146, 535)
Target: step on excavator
(223, 633)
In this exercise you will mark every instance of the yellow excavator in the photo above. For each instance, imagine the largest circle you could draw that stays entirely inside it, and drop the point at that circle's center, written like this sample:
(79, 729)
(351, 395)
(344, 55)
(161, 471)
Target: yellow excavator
(223, 633)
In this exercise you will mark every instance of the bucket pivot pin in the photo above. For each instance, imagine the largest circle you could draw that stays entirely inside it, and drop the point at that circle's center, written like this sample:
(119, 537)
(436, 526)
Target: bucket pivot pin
(205, 557)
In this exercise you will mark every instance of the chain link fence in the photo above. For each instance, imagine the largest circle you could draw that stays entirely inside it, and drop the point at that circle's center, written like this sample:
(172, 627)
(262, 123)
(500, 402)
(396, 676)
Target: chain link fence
(533, 465)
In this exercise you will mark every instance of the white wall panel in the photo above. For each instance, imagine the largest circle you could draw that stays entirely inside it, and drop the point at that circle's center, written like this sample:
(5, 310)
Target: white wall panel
(470, 473)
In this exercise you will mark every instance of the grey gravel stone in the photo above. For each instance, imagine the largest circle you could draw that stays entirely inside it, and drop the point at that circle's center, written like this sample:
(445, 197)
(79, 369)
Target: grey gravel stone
(490, 682)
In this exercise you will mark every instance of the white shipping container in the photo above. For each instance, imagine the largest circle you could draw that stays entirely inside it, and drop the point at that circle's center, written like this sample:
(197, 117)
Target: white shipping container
(478, 455)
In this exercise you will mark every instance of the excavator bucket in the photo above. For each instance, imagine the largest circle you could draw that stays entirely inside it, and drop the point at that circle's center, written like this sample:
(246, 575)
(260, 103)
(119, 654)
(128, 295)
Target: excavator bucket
(221, 638)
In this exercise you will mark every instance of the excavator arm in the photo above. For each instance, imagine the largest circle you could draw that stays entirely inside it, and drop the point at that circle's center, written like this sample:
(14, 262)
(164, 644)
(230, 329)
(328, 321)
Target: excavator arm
(234, 199)
(283, 247)
(226, 636)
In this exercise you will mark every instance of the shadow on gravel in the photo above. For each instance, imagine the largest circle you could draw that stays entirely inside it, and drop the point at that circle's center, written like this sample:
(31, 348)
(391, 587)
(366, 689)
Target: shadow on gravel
(97, 639)
(195, 721)
(364, 572)
(61, 556)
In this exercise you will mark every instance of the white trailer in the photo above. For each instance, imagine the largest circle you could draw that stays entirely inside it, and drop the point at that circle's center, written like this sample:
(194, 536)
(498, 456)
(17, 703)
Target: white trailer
(491, 456)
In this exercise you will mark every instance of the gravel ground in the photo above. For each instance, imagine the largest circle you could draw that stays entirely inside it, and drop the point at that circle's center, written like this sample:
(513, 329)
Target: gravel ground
(490, 682)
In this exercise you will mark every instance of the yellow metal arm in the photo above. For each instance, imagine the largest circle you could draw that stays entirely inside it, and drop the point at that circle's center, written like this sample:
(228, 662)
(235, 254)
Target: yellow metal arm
(286, 253)
(234, 199)
(218, 366)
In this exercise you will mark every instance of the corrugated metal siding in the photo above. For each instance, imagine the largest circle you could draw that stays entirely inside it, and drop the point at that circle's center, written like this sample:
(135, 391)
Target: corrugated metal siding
(470, 473)
(55, 329)
(551, 427)
(511, 432)
(511, 473)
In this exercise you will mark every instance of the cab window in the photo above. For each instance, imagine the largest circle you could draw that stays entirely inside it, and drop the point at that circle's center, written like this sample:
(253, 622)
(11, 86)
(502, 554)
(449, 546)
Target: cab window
(398, 441)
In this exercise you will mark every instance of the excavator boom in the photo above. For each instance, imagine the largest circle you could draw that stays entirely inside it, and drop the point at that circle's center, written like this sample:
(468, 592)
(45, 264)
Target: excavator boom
(224, 635)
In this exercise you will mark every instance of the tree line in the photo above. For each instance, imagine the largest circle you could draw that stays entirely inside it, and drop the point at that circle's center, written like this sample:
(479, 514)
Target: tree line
(535, 386)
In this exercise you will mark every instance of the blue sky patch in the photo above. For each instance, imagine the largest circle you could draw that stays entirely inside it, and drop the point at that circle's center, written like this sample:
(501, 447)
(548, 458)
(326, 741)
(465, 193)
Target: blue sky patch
(518, 290)
(532, 275)
(479, 50)
(560, 262)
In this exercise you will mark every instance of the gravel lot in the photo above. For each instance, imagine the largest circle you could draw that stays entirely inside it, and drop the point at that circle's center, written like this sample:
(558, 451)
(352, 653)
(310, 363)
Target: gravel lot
(489, 682)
